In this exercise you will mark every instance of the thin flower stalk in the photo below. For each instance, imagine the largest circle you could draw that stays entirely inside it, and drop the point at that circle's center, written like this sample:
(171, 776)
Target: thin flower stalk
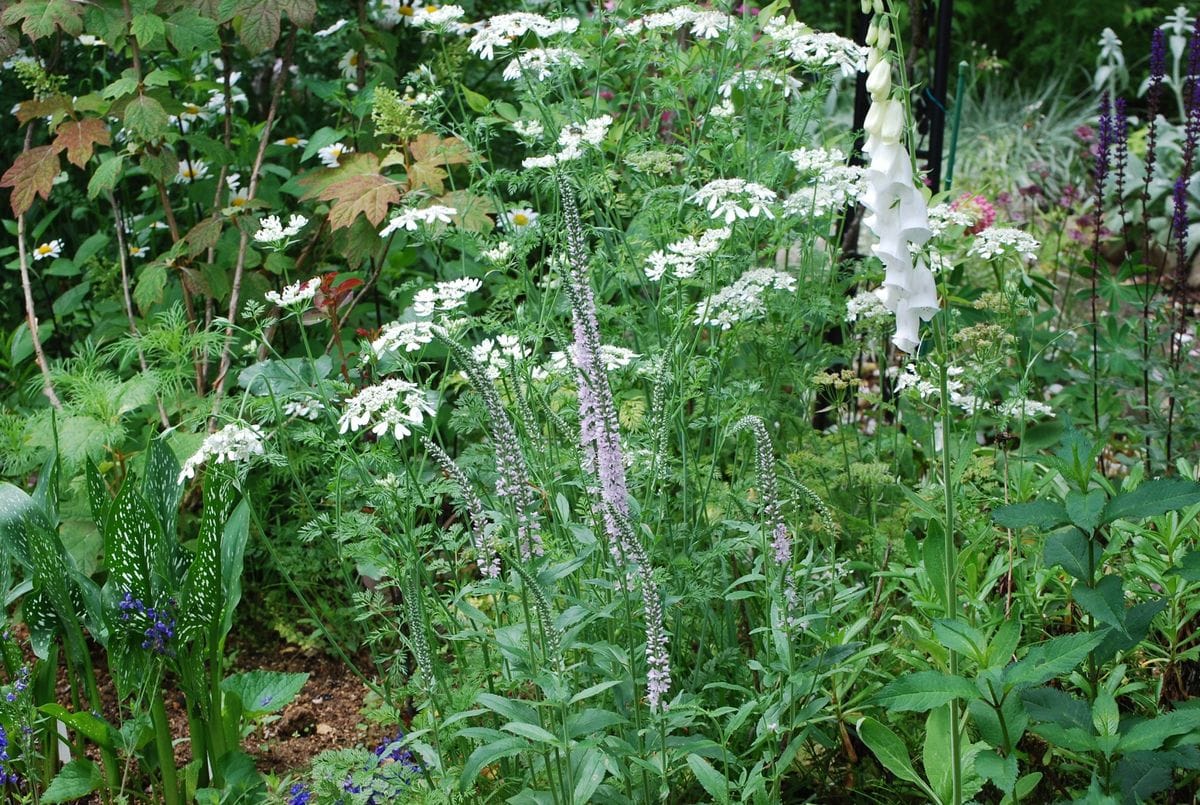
(485, 554)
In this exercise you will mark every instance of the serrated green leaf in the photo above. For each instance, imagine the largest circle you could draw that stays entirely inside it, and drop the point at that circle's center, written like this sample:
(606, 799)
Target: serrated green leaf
(1106, 717)
(151, 284)
(891, 751)
(73, 782)
(40, 18)
(1153, 498)
(189, 31)
(1050, 659)
(104, 178)
(923, 691)
(960, 637)
(1068, 547)
(712, 780)
(146, 118)
(1152, 733)
(1085, 510)
(1105, 602)
(1042, 514)
(147, 26)
(1001, 771)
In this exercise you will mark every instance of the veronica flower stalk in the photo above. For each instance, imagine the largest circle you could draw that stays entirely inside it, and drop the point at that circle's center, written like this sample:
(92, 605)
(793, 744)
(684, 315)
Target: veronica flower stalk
(512, 481)
(768, 489)
(600, 438)
(896, 209)
(1103, 155)
(485, 554)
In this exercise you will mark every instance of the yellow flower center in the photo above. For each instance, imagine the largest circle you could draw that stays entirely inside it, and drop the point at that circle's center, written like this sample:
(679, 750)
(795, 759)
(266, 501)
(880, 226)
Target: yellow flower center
(191, 109)
(406, 11)
(237, 201)
(430, 9)
(291, 140)
(521, 219)
(354, 59)
(44, 249)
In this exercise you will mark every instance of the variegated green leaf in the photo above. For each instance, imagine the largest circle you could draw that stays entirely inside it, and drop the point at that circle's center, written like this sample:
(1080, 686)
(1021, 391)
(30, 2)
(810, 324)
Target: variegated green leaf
(160, 484)
(133, 547)
(201, 598)
(45, 494)
(233, 548)
(15, 507)
(98, 497)
(39, 615)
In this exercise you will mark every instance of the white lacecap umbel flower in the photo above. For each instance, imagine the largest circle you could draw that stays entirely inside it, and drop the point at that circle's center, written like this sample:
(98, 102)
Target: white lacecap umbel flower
(298, 294)
(412, 218)
(233, 443)
(272, 230)
(394, 406)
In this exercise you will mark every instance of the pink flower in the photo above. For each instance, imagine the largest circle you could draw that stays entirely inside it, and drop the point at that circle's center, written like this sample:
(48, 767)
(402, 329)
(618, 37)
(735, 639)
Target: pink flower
(979, 208)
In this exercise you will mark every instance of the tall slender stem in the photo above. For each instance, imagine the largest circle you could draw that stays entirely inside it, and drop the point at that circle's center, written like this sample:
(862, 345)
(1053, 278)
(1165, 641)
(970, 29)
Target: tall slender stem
(950, 561)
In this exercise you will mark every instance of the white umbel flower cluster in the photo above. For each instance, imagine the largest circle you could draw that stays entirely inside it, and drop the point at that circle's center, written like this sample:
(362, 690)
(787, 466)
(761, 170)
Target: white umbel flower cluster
(407, 336)
(827, 182)
(538, 63)
(435, 16)
(743, 300)
(298, 294)
(272, 230)
(412, 218)
(233, 443)
(444, 296)
(701, 24)
(943, 216)
(896, 210)
(734, 199)
(682, 257)
(816, 50)
(497, 356)
(571, 141)
(394, 406)
(758, 80)
(502, 29)
(996, 241)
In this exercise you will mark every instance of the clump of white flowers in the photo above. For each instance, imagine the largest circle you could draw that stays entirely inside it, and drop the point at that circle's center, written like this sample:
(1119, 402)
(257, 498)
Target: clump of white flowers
(295, 295)
(413, 217)
(613, 357)
(815, 50)
(682, 257)
(571, 141)
(743, 300)
(408, 336)
(828, 183)
(539, 63)
(444, 296)
(272, 230)
(943, 216)
(997, 240)
(734, 199)
(430, 16)
(498, 253)
(233, 444)
(394, 406)
(496, 356)
(304, 408)
(701, 24)
(759, 80)
(502, 29)
(865, 306)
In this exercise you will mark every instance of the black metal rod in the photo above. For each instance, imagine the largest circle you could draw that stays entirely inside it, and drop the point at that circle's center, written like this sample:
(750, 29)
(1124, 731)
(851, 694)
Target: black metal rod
(941, 79)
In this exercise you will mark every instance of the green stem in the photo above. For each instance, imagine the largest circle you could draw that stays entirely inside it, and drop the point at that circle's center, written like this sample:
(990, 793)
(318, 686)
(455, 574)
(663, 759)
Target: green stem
(165, 750)
(950, 561)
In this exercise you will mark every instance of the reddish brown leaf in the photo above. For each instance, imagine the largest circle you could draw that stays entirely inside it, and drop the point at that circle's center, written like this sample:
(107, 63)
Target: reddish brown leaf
(426, 174)
(30, 176)
(437, 151)
(44, 107)
(203, 236)
(78, 137)
(369, 194)
(314, 182)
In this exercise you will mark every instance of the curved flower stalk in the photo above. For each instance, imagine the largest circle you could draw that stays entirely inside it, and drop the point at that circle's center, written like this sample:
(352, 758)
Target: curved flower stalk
(897, 210)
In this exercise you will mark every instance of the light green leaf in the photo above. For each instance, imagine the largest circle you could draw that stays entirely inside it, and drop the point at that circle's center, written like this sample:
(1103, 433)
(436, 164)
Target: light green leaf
(147, 26)
(262, 692)
(1152, 498)
(1042, 514)
(146, 118)
(488, 754)
(712, 780)
(531, 731)
(589, 774)
(1051, 659)
(1002, 771)
(1085, 510)
(105, 176)
(891, 752)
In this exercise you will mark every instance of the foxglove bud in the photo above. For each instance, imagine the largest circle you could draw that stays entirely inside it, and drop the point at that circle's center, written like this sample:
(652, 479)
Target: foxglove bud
(893, 122)
(879, 82)
(872, 34)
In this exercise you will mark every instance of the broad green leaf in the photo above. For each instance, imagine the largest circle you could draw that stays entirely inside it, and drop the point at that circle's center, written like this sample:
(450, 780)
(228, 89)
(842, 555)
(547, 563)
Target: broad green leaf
(97, 730)
(1041, 514)
(589, 774)
(262, 692)
(150, 286)
(1004, 643)
(1137, 624)
(1105, 602)
(133, 547)
(1069, 547)
(477, 102)
(1106, 717)
(923, 691)
(1050, 659)
(987, 722)
(145, 27)
(594, 690)
(533, 732)
(1153, 733)
(1059, 707)
(961, 637)
(1152, 498)
(40, 18)
(189, 32)
(73, 782)
(1025, 786)
(712, 780)
(891, 752)
(1084, 511)
(160, 484)
(1189, 567)
(591, 722)
(104, 178)
(1140, 780)
(202, 593)
(1069, 738)
(16, 509)
(146, 118)
(488, 754)
(933, 558)
(1001, 771)
(935, 754)
(511, 709)
(233, 549)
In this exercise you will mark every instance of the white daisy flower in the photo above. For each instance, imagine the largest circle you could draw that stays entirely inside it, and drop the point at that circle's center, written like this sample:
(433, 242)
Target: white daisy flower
(331, 155)
(520, 219)
(51, 249)
(191, 170)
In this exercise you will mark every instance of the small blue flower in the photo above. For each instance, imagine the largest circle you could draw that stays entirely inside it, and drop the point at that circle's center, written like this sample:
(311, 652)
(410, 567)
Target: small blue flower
(300, 795)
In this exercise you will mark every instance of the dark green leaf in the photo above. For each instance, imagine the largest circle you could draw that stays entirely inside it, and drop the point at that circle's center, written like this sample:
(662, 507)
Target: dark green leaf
(1105, 602)
(488, 754)
(1041, 514)
(1152, 498)
(145, 118)
(1084, 511)
(97, 730)
(1068, 547)
(160, 484)
(201, 596)
(1002, 771)
(712, 780)
(189, 31)
(1050, 659)
(1054, 705)
(890, 750)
